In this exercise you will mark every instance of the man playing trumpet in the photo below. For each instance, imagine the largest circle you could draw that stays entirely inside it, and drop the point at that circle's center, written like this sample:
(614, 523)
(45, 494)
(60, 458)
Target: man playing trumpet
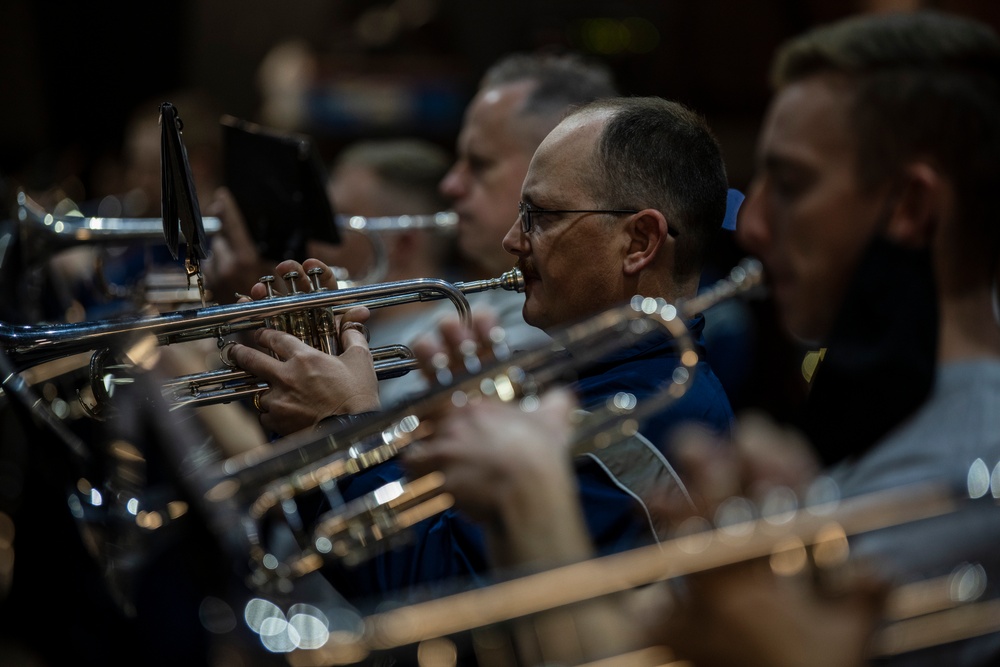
(622, 198)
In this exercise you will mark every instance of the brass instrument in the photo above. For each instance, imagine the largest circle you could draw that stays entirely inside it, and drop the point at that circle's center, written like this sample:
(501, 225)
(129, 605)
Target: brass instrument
(367, 524)
(307, 315)
(43, 234)
(370, 227)
(264, 480)
(918, 614)
(49, 233)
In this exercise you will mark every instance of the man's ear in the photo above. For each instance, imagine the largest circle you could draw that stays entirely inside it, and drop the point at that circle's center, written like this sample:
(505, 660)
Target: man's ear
(647, 231)
(920, 204)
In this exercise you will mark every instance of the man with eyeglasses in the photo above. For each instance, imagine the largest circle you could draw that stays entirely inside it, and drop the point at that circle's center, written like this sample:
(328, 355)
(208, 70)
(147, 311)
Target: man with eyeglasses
(621, 199)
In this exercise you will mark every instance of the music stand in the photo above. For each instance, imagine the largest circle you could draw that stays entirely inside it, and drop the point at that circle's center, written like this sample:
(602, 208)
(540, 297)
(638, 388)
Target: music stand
(279, 182)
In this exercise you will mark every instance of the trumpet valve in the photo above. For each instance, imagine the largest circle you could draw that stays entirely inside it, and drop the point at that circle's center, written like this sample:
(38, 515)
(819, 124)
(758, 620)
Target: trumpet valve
(268, 282)
(290, 278)
(314, 275)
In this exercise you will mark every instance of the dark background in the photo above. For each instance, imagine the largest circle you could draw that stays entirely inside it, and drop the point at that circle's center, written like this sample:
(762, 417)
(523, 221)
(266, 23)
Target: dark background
(71, 72)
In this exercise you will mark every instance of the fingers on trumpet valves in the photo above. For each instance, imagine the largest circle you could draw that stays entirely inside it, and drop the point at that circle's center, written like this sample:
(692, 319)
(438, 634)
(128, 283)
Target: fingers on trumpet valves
(320, 275)
(310, 276)
(354, 326)
(264, 289)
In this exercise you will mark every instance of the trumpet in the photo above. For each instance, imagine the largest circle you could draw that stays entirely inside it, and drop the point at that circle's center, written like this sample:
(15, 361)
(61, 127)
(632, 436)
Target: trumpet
(308, 315)
(253, 485)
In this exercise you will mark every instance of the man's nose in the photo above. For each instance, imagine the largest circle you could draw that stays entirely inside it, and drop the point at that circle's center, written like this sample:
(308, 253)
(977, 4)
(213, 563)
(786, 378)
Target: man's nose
(515, 241)
(452, 185)
(752, 230)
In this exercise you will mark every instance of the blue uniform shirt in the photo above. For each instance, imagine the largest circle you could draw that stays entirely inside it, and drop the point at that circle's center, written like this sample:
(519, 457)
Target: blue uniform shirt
(449, 548)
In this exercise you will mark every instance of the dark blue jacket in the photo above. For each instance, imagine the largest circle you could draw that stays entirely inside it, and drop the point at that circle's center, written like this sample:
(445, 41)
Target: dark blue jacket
(449, 548)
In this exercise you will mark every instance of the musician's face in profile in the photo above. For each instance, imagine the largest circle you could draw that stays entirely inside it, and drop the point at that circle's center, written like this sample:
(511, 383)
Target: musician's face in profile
(806, 217)
(484, 184)
(571, 261)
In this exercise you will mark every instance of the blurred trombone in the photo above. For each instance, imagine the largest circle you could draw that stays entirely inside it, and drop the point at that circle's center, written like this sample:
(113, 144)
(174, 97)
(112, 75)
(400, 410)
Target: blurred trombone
(917, 614)
(371, 228)
(42, 235)
(45, 234)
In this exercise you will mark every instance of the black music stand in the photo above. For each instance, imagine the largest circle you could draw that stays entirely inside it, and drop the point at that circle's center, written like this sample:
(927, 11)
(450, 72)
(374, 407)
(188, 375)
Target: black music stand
(279, 182)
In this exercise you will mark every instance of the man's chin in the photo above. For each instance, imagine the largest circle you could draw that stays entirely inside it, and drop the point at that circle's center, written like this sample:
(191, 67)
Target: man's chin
(532, 316)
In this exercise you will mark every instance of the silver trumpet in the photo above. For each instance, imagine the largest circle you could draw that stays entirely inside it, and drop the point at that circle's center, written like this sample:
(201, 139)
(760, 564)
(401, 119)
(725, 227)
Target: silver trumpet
(130, 342)
(242, 491)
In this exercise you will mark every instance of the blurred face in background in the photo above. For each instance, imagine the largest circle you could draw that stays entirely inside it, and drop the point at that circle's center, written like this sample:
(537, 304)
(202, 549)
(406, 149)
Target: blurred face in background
(484, 185)
(806, 217)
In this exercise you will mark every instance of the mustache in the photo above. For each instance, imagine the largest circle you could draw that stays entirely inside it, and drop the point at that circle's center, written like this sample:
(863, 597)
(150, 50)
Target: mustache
(527, 268)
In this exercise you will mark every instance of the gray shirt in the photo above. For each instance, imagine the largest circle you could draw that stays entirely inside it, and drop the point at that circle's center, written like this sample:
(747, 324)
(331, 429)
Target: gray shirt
(954, 438)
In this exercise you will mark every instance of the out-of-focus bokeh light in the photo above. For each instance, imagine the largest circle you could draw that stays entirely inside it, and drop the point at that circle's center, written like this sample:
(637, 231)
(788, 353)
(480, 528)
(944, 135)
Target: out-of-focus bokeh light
(968, 582)
(789, 557)
(437, 653)
(779, 505)
(329, 638)
(978, 479)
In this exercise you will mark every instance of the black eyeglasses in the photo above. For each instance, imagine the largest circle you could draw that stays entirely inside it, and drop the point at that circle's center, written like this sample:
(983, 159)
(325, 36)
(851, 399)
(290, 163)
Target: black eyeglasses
(526, 211)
